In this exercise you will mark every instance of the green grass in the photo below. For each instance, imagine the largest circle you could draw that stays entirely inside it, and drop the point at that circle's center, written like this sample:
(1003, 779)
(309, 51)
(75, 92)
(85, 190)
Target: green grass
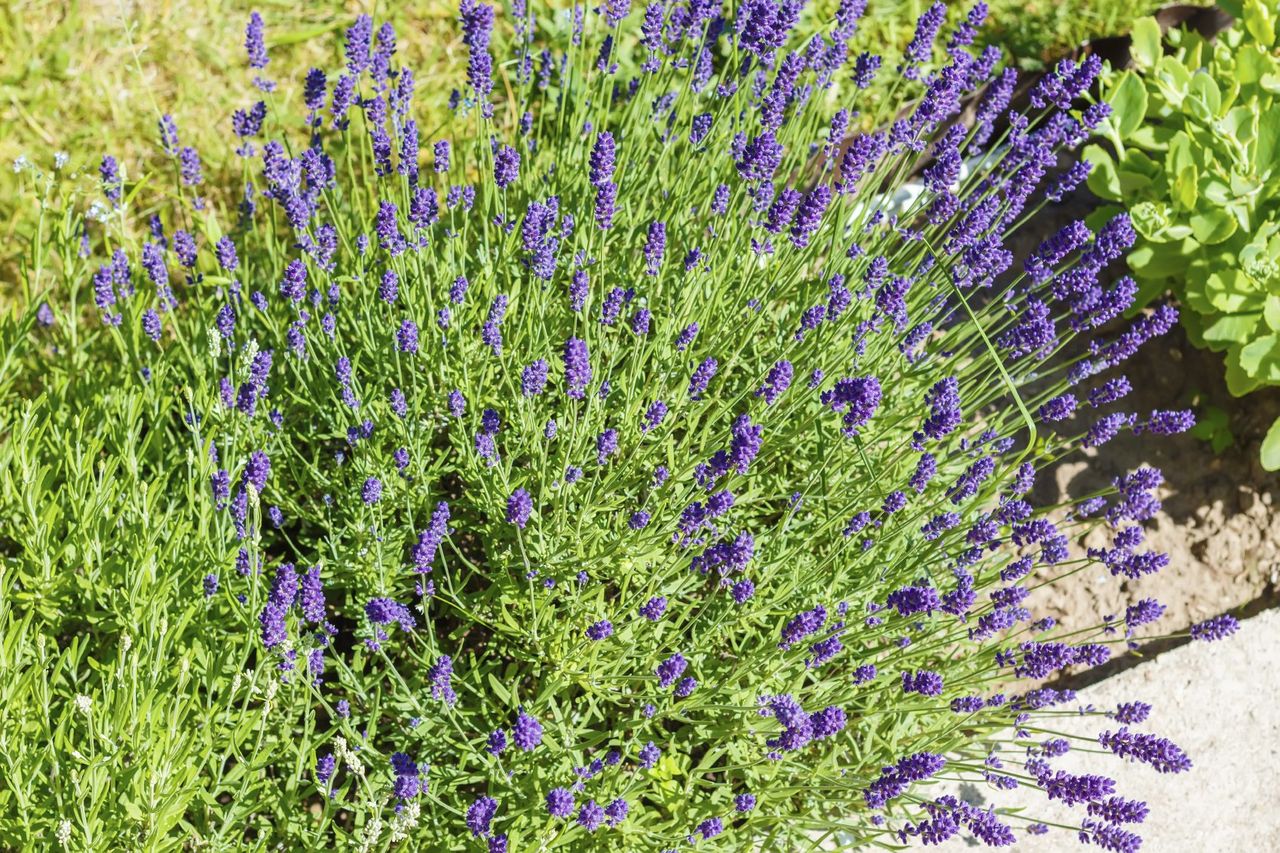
(80, 78)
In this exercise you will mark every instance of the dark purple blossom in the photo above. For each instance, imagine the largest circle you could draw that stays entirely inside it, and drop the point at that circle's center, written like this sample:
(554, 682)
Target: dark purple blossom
(654, 608)
(527, 732)
(477, 28)
(506, 167)
(480, 814)
(384, 611)
(894, 780)
(802, 625)
(533, 380)
(671, 669)
(577, 368)
(590, 816)
(760, 158)
(924, 682)
(519, 508)
(778, 380)
(809, 215)
(858, 398)
(560, 802)
(1217, 628)
(654, 247)
(1160, 753)
(702, 377)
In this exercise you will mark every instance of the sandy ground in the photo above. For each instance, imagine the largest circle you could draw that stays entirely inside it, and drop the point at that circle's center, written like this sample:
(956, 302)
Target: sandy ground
(1220, 524)
(1221, 520)
(1221, 703)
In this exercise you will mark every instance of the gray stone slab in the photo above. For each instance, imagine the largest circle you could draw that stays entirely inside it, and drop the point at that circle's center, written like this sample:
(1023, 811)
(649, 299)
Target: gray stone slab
(1221, 703)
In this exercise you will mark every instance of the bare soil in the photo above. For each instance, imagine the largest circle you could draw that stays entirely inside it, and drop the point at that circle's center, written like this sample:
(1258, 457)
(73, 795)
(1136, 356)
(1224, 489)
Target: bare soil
(1219, 524)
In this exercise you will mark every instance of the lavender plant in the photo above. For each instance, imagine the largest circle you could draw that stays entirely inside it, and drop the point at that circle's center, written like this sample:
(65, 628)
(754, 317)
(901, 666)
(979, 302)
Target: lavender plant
(615, 468)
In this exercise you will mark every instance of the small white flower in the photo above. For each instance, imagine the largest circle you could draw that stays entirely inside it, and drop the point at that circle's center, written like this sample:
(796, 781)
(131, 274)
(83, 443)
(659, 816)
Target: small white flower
(83, 704)
(246, 361)
(21, 164)
(60, 159)
(63, 832)
(405, 820)
(372, 831)
(348, 756)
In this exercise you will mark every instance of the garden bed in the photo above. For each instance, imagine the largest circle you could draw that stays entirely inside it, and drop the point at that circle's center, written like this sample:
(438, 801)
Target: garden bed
(1218, 523)
(378, 538)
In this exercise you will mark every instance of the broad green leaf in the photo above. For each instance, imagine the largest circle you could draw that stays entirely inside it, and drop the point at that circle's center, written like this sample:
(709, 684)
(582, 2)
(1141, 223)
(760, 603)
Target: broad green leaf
(1260, 22)
(1128, 104)
(1159, 260)
(1196, 297)
(1238, 382)
(1152, 137)
(1178, 153)
(1238, 124)
(1230, 94)
(1103, 180)
(1185, 191)
(1205, 91)
(1145, 43)
(1271, 312)
(1271, 447)
(1138, 162)
(1252, 64)
(1213, 225)
(1231, 291)
(1231, 328)
(1267, 147)
(1213, 425)
(1173, 78)
(1260, 359)
(1216, 192)
(1133, 184)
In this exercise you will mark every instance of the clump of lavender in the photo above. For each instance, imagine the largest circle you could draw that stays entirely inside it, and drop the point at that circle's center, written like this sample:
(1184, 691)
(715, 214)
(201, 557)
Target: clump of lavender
(610, 548)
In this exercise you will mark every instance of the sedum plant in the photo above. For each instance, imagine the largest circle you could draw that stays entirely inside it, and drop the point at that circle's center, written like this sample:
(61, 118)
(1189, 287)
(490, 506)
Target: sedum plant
(605, 470)
(1194, 143)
